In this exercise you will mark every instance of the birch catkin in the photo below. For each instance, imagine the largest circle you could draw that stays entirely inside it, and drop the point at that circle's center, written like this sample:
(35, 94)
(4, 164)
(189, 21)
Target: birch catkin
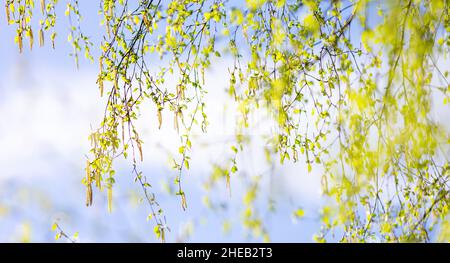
(19, 42)
(100, 79)
(30, 32)
(89, 184)
(8, 18)
(42, 6)
(41, 37)
(159, 118)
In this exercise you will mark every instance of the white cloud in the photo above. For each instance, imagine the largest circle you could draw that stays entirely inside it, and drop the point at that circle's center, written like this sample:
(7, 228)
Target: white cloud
(47, 116)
